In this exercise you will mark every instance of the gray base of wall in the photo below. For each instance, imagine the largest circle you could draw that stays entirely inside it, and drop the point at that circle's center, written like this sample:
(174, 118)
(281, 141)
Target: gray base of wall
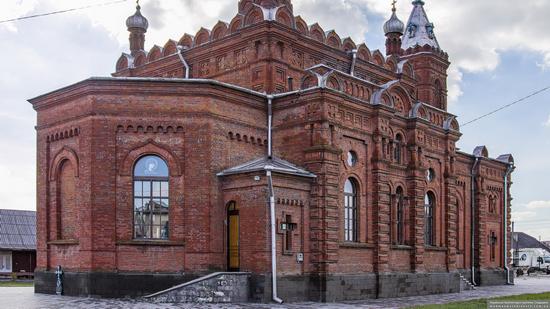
(334, 288)
(108, 285)
(318, 288)
(488, 277)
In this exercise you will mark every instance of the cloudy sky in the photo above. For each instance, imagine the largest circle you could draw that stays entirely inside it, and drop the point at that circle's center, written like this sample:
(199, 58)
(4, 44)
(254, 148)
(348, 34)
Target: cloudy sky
(500, 52)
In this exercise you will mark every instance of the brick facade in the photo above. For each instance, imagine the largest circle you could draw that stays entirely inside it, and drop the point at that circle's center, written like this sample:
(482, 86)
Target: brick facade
(391, 113)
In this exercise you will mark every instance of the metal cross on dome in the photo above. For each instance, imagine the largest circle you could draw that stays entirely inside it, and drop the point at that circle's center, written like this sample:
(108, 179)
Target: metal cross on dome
(394, 2)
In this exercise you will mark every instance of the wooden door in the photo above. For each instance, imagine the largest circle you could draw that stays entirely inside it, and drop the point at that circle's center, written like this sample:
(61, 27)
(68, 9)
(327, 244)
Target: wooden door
(233, 252)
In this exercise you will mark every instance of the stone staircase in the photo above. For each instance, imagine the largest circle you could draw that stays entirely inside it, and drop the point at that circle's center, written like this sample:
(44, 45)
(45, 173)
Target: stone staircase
(465, 284)
(220, 287)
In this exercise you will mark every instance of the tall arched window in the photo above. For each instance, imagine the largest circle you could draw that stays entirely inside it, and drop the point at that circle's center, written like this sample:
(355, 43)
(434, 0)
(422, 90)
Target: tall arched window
(397, 154)
(67, 212)
(350, 210)
(151, 198)
(429, 209)
(400, 216)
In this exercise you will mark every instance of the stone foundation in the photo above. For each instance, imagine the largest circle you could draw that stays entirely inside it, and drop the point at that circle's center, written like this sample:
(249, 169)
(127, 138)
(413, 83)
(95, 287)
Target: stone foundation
(335, 288)
(317, 288)
(488, 277)
(108, 285)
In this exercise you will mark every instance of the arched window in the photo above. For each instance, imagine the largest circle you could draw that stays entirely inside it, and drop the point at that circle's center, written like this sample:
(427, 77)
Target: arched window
(350, 210)
(151, 198)
(429, 208)
(397, 154)
(67, 213)
(400, 216)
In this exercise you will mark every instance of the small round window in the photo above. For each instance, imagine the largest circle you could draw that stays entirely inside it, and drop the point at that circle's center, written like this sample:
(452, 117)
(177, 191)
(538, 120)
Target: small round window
(430, 174)
(352, 158)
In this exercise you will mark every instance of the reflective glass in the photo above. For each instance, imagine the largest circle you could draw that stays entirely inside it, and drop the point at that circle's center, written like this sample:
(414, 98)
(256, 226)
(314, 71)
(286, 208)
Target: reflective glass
(151, 166)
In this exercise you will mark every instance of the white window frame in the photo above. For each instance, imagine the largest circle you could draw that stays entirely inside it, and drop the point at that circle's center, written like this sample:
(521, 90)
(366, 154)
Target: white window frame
(5, 262)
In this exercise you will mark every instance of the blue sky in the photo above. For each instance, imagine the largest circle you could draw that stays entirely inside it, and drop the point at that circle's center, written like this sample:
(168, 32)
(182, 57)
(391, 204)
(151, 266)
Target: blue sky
(499, 52)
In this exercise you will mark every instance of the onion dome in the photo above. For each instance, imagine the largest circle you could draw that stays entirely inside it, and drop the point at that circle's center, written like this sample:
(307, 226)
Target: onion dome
(394, 24)
(137, 20)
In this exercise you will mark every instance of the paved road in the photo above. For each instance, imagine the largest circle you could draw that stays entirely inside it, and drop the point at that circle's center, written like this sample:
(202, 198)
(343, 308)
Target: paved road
(24, 298)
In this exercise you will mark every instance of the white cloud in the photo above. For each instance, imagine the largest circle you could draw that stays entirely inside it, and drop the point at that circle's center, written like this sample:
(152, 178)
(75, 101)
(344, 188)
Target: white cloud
(547, 123)
(72, 46)
(519, 216)
(538, 205)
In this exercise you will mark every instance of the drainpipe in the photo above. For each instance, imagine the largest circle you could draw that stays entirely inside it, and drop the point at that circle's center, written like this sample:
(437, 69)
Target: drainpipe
(272, 202)
(180, 54)
(269, 126)
(508, 172)
(473, 220)
(353, 61)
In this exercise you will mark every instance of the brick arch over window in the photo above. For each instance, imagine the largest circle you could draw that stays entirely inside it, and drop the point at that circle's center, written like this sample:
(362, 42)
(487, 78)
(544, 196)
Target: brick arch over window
(150, 148)
(65, 154)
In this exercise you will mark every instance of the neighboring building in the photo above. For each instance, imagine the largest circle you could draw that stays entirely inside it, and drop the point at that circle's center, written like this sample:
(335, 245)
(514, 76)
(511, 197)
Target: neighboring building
(525, 241)
(17, 242)
(148, 178)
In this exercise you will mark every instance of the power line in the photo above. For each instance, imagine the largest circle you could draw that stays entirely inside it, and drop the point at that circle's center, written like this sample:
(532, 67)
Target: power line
(62, 11)
(507, 106)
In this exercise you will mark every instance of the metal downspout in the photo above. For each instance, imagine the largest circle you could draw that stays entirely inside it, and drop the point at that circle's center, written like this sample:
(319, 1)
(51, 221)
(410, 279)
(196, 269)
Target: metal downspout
(272, 202)
(353, 62)
(473, 221)
(180, 51)
(508, 172)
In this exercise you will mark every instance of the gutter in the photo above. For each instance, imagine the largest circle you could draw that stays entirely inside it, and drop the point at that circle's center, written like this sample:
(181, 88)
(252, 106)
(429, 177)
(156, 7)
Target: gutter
(185, 64)
(473, 220)
(508, 172)
(272, 201)
(353, 62)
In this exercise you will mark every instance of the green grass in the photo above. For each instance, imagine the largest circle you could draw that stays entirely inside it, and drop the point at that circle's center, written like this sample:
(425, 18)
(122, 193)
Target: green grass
(482, 303)
(15, 284)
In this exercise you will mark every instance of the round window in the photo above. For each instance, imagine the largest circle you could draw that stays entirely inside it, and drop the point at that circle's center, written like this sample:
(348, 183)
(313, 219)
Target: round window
(430, 174)
(352, 158)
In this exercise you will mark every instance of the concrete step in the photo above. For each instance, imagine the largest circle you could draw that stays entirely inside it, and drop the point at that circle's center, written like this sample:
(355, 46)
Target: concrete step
(220, 287)
(465, 284)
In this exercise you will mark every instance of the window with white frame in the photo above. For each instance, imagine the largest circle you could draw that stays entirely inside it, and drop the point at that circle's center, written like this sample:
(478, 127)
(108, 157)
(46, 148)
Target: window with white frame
(5, 262)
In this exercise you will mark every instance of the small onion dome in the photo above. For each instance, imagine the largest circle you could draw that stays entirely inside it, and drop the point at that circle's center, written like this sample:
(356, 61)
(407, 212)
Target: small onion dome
(394, 25)
(137, 20)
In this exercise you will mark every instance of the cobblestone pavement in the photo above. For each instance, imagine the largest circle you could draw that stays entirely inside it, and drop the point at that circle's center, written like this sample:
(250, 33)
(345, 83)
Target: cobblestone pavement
(24, 298)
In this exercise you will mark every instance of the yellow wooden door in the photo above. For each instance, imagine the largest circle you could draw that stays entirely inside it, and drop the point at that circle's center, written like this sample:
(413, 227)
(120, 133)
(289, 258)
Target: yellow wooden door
(233, 238)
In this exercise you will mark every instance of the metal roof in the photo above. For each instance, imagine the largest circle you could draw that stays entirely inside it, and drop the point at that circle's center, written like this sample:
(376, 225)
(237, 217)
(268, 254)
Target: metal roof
(17, 229)
(525, 241)
(274, 165)
(419, 30)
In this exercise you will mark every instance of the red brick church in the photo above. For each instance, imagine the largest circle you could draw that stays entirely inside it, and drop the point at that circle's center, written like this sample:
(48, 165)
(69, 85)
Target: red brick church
(268, 136)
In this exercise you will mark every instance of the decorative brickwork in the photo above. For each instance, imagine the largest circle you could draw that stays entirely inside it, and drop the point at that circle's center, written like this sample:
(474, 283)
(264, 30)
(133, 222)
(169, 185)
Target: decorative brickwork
(332, 97)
